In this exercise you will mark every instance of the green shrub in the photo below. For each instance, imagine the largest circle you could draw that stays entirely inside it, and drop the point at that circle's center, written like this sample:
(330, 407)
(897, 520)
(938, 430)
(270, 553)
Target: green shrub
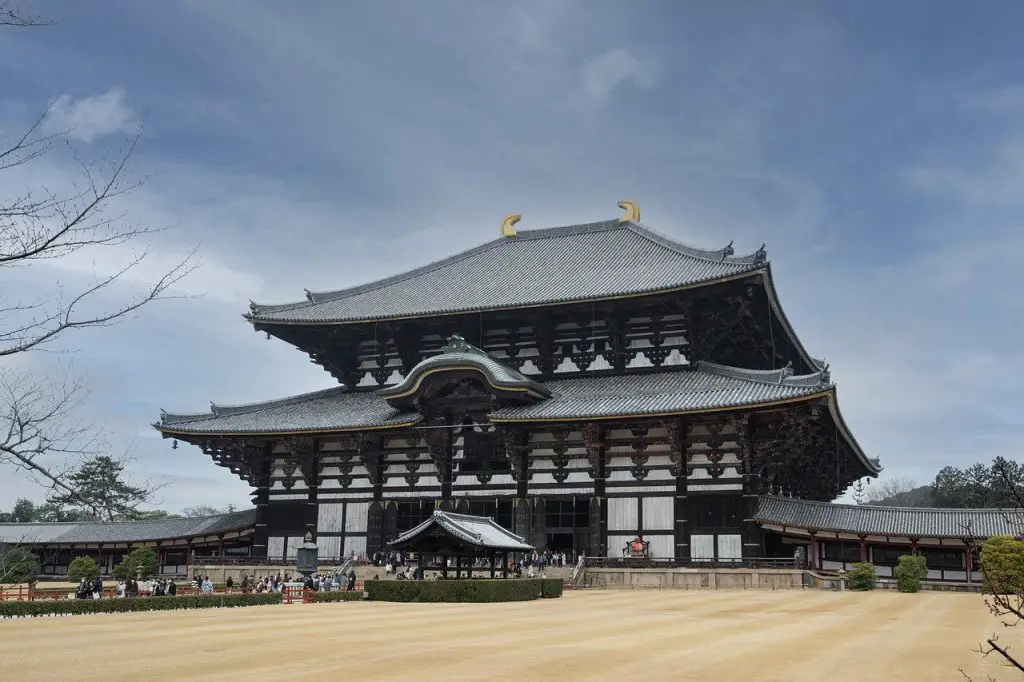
(140, 563)
(551, 588)
(17, 565)
(323, 597)
(862, 577)
(1002, 565)
(12, 609)
(909, 572)
(83, 567)
(480, 590)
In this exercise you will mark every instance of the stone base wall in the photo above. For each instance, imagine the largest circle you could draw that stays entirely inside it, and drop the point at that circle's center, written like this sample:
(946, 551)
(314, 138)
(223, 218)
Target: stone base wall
(694, 578)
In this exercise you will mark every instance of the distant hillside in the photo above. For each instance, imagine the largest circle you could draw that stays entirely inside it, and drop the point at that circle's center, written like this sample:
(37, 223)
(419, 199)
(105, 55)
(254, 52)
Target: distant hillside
(922, 496)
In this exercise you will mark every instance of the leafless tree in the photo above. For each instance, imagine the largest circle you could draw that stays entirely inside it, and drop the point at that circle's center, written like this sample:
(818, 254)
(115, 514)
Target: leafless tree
(895, 490)
(38, 429)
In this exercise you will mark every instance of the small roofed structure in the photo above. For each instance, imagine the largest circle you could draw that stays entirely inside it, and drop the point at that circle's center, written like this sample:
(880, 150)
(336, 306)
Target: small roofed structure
(461, 537)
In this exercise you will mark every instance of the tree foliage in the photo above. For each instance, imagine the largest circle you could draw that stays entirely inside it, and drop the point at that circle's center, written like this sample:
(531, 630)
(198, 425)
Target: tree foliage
(98, 484)
(83, 567)
(17, 564)
(200, 510)
(862, 577)
(1002, 564)
(978, 486)
(27, 511)
(910, 570)
(140, 563)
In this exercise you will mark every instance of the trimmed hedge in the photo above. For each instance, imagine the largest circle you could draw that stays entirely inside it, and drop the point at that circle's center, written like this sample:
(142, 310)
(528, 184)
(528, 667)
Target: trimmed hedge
(551, 588)
(910, 570)
(324, 597)
(12, 609)
(480, 590)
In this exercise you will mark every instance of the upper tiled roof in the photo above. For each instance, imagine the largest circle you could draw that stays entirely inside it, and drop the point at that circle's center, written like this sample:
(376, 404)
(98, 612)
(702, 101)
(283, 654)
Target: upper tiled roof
(574, 263)
(705, 387)
(919, 522)
(332, 409)
(125, 531)
(479, 531)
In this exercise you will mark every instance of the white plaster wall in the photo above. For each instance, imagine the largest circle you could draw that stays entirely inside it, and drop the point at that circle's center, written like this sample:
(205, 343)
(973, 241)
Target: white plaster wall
(329, 518)
(355, 546)
(622, 513)
(730, 547)
(275, 547)
(355, 517)
(659, 513)
(329, 548)
(662, 546)
(702, 547)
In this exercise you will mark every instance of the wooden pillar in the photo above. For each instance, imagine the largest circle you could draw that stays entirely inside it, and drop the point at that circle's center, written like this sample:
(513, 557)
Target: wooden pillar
(679, 444)
(968, 561)
(220, 545)
(371, 454)
(264, 466)
(812, 553)
(492, 566)
(863, 550)
(597, 530)
(913, 545)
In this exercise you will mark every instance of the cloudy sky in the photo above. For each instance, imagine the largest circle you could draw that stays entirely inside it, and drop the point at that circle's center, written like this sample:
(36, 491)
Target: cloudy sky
(877, 147)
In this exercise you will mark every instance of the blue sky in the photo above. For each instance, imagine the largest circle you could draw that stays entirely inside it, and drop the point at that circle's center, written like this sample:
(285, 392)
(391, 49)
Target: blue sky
(878, 148)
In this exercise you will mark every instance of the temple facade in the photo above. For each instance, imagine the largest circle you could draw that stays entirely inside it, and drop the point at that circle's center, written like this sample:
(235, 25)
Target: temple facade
(581, 385)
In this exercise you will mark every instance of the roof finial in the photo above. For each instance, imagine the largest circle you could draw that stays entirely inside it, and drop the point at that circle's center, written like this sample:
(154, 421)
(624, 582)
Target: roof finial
(508, 225)
(632, 211)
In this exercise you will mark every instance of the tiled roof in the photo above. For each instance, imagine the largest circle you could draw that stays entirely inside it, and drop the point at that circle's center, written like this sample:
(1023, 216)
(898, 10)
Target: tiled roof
(707, 387)
(919, 522)
(574, 263)
(704, 387)
(332, 409)
(125, 531)
(457, 354)
(479, 531)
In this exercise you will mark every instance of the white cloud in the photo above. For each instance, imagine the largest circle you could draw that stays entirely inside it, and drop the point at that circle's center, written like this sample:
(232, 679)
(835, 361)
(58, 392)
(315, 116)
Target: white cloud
(603, 74)
(92, 118)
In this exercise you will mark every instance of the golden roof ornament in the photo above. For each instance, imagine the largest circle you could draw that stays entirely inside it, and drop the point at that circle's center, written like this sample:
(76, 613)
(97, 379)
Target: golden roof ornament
(508, 225)
(632, 210)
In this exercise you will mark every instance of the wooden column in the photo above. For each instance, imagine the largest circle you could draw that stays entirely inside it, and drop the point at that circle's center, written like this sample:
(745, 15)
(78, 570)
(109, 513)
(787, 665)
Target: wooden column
(753, 536)
(812, 553)
(913, 545)
(679, 444)
(439, 445)
(968, 561)
(863, 550)
(597, 532)
(517, 450)
(371, 453)
(264, 466)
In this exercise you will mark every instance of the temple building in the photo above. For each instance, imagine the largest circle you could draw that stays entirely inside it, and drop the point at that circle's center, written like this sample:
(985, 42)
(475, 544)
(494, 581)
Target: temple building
(581, 385)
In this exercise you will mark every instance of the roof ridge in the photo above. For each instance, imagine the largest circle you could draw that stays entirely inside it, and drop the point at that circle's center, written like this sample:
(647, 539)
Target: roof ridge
(196, 519)
(243, 408)
(883, 507)
(782, 377)
(723, 255)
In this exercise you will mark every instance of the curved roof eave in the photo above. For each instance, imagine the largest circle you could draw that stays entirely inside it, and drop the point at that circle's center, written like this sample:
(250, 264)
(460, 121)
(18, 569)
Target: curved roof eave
(870, 464)
(773, 300)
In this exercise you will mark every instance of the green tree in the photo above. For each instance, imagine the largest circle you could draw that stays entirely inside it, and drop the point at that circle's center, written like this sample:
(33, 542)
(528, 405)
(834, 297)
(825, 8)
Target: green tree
(83, 567)
(98, 486)
(139, 563)
(17, 565)
(910, 570)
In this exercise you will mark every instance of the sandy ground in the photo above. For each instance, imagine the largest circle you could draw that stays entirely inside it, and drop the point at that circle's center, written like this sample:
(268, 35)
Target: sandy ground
(606, 634)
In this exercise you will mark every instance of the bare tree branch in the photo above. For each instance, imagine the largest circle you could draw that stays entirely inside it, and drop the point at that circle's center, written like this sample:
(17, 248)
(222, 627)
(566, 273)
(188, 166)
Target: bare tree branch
(39, 431)
(11, 15)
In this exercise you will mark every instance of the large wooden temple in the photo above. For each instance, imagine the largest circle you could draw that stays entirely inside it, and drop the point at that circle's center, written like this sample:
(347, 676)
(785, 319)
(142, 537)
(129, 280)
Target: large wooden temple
(582, 385)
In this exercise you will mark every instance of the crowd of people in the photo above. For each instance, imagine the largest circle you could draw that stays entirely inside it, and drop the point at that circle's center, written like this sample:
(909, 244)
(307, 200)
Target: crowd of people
(131, 587)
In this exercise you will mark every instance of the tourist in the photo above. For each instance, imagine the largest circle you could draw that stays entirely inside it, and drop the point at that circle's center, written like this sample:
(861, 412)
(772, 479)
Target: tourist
(97, 588)
(228, 584)
(172, 589)
(351, 580)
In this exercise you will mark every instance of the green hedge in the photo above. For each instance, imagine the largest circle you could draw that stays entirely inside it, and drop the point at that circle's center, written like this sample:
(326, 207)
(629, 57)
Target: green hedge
(323, 597)
(862, 577)
(480, 590)
(910, 570)
(61, 607)
(551, 588)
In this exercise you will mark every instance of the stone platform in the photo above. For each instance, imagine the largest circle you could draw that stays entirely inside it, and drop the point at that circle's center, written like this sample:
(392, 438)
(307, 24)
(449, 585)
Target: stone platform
(694, 578)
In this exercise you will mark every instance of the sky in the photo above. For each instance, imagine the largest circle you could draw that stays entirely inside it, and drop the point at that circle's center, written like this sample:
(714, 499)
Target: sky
(877, 147)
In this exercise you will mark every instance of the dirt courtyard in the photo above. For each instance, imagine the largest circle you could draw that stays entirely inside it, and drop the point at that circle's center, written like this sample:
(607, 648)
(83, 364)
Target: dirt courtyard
(606, 634)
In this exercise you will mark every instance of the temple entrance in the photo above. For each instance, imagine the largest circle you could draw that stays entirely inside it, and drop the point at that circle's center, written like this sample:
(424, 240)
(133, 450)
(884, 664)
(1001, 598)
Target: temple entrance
(560, 542)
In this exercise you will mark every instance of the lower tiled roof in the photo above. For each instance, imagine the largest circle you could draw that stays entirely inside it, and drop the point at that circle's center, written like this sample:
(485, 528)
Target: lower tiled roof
(919, 522)
(688, 389)
(125, 531)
